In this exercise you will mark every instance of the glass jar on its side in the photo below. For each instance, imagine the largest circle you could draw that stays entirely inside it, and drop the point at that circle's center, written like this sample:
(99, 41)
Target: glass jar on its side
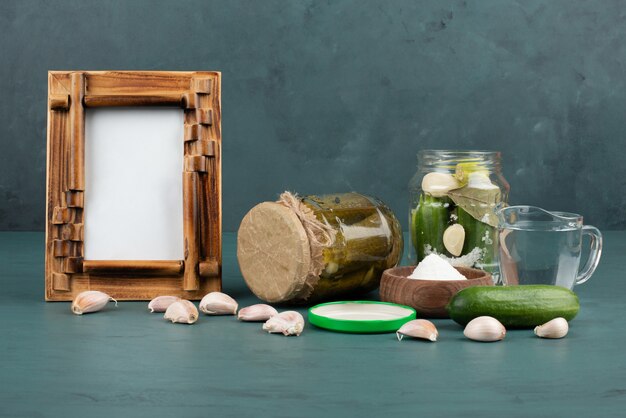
(454, 197)
(305, 249)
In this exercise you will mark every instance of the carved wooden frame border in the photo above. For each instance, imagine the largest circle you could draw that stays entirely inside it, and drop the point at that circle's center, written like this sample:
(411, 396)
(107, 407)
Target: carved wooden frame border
(66, 272)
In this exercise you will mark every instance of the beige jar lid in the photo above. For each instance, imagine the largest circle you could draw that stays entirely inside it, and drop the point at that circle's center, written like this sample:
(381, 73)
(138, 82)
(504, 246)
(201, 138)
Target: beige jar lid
(274, 253)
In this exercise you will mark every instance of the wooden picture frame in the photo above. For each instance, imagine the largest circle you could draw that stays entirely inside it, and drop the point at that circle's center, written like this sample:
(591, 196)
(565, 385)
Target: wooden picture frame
(67, 273)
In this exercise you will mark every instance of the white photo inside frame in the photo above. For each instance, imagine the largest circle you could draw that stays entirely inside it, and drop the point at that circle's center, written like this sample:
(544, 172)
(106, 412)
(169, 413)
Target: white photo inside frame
(133, 184)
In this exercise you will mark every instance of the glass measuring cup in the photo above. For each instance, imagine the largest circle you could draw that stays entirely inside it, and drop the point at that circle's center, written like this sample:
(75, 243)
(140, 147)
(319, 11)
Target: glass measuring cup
(542, 247)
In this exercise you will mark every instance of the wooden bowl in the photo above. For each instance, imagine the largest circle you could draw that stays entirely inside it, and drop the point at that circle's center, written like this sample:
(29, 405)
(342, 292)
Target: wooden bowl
(428, 297)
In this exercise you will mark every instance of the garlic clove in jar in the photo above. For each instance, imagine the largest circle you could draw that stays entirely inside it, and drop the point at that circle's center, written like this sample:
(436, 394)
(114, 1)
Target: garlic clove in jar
(418, 328)
(90, 301)
(439, 184)
(161, 303)
(182, 312)
(556, 328)
(287, 323)
(485, 328)
(480, 180)
(218, 303)
(258, 312)
(464, 170)
(453, 239)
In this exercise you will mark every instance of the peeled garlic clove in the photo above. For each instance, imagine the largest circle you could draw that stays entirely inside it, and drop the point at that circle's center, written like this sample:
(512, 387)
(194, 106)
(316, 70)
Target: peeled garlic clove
(259, 312)
(218, 303)
(484, 328)
(418, 328)
(439, 184)
(556, 328)
(480, 180)
(453, 239)
(90, 301)
(182, 312)
(161, 303)
(288, 322)
(331, 267)
(464, 170)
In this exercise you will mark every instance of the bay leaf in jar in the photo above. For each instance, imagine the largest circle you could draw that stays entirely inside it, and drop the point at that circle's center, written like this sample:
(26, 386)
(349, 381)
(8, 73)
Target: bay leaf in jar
(480, 203)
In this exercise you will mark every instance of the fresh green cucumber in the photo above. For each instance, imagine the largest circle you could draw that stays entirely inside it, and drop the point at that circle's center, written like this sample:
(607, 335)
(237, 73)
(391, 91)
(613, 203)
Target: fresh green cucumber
(514, 306)
(429, 220)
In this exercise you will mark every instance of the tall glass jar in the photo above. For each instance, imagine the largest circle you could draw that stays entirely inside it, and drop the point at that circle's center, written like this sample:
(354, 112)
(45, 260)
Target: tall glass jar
(454, 197)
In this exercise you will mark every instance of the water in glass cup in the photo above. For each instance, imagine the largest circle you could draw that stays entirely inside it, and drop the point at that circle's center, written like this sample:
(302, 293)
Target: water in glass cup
(541, 247)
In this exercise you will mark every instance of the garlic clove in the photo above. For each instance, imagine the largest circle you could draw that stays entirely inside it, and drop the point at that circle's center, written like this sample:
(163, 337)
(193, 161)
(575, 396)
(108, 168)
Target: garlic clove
(331, 267)
(439, 184)
(182, 312)
(485, 328)
(465, 170)
(259, 312)
(453, 239)
(161, 303)
(90, 301)
(288, 322)
(556, 328)
(418, 328)
(218, 303)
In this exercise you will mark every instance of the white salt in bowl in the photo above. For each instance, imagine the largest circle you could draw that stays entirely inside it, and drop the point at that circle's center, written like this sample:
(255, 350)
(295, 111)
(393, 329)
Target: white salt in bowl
(428, 297)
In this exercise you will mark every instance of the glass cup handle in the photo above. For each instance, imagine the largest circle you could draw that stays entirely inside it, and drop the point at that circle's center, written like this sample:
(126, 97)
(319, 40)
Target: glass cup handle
(594, 255)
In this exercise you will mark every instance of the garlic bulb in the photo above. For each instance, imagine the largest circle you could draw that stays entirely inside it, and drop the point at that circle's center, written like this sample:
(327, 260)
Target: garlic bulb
(182, 312)
(439, 184)
(418, 328)
(90, 301)
(288, 322)
(485, 328)
(218, 303)
(259, 312)
(161, 303)
(556, 328)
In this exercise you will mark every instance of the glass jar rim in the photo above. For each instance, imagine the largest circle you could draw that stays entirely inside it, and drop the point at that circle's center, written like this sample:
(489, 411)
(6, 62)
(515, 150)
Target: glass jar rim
(459, 152)
(447, 160)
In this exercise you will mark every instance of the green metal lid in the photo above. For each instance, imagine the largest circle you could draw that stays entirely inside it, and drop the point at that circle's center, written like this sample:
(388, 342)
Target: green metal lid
(360, 316)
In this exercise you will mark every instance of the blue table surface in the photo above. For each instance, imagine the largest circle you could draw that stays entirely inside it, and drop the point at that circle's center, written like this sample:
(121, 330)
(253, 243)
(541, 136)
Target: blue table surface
(126, 362)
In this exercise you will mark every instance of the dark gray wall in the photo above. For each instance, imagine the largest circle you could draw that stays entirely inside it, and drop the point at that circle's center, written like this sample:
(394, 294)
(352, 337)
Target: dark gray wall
(323, 96)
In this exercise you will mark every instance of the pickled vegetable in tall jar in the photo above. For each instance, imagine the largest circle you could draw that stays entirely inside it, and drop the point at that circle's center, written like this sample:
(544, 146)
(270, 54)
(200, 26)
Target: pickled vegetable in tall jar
(454, 197)
(304, 249)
